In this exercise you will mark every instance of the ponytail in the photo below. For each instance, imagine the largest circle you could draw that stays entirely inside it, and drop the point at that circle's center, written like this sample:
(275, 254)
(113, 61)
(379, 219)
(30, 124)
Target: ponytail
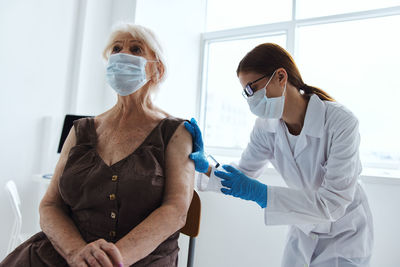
(310, 90)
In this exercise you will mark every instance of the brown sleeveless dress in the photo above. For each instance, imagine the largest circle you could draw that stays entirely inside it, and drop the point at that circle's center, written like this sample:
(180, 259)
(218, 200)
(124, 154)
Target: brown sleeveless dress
(108, 201)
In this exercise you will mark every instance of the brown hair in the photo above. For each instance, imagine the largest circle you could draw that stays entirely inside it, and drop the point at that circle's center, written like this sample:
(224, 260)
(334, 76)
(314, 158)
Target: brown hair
(266, 58)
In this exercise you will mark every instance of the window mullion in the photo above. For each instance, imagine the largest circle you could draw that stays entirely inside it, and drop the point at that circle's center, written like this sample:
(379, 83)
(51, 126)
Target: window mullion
(202, 90)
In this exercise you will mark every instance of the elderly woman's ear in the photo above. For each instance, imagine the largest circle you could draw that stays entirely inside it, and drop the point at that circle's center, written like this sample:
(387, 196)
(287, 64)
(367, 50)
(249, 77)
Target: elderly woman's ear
(160, 69)
(158, 72)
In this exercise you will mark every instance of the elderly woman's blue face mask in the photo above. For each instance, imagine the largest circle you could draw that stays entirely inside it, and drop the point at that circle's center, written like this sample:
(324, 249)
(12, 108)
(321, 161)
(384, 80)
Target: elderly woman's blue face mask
(126, 73)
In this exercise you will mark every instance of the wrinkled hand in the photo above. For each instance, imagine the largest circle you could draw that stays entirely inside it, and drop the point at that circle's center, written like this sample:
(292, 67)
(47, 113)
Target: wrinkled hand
(99, 253)
(241, 186)
(198, 155)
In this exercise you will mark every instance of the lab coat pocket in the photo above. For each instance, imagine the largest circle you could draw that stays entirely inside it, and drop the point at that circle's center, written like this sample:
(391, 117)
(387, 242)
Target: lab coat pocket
(322, 228)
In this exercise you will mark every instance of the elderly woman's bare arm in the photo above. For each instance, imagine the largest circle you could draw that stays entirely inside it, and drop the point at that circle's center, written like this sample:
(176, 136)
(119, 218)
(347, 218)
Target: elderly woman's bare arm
(171, 216)
(53, 213)
(59, 227)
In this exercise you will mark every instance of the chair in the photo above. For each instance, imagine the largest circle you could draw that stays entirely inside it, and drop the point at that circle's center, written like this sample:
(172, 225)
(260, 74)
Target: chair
(16, 236)
(192, 226)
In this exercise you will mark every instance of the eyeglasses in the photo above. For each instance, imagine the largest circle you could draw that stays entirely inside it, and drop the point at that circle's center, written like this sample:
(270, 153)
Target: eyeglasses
(248, 91)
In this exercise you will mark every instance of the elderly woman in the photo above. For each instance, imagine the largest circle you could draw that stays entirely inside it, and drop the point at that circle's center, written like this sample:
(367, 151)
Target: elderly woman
(123, 184)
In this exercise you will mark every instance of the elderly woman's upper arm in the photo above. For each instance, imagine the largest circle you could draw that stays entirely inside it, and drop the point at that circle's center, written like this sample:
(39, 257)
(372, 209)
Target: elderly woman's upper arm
(52, 195)
(179, 170)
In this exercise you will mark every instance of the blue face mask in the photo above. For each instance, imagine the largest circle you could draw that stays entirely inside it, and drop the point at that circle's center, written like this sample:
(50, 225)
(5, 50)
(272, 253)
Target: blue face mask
(126, 73)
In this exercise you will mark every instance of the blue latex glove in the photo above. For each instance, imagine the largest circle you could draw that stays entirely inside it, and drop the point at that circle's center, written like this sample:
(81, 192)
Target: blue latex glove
(242, 186)
(198, 156)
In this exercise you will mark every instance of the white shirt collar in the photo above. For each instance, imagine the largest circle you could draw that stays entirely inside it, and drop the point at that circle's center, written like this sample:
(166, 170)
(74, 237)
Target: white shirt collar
(315, 117)
(313, 122)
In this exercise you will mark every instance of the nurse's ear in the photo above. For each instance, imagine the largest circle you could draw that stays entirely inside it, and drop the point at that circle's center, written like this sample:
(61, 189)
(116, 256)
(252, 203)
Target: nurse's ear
(282, 76)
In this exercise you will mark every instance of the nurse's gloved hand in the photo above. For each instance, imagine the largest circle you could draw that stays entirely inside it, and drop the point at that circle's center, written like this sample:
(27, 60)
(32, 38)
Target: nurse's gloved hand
(242, 186)
(198, 155)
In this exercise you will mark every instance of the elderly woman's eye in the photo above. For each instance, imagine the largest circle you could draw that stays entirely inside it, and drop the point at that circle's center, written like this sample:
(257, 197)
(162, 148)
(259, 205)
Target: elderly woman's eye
(136, 49)
(116, 49)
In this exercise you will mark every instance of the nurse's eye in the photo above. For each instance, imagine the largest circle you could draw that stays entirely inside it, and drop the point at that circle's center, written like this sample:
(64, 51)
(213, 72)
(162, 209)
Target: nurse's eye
(135, 49)
(116, 49)
(254, 87)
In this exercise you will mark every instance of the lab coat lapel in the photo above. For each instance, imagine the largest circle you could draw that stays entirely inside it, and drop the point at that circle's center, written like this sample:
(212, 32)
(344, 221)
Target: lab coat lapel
(313, 124)
(301, 144)
(285, 147)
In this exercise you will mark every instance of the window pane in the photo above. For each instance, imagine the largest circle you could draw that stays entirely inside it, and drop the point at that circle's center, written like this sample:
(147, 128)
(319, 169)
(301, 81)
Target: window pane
(225, 14)
(357, 63)
(228, 119)
(318, 8)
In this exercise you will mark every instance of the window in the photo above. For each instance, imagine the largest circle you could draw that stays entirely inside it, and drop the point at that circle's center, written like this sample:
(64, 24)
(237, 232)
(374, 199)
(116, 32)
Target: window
(361, 74)
(349, 49)
(226, 107)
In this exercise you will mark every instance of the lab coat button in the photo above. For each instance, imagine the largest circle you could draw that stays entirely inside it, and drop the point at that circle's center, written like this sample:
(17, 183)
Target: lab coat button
(114, 178)
(314, 236)
(112, 196)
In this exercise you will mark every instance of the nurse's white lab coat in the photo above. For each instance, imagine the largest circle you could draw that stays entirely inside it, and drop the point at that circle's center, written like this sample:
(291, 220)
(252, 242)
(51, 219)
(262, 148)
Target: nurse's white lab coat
(331, 223)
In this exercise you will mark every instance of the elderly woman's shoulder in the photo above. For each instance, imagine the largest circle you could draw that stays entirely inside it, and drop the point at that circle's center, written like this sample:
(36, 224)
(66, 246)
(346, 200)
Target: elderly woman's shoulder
(172, 123)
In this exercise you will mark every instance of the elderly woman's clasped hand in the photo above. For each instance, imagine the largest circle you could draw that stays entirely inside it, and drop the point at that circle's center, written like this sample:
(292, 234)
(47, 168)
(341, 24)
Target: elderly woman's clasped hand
(97, 253)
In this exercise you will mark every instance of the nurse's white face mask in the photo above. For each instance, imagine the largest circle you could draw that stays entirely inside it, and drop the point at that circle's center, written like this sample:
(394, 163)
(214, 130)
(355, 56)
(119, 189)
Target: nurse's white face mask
(267, 107)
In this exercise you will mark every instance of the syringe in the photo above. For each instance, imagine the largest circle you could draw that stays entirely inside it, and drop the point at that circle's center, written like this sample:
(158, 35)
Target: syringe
(213, 159)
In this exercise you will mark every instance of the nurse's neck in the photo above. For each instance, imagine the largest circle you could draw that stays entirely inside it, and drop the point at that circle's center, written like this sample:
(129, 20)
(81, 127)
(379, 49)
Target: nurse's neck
(295, 110)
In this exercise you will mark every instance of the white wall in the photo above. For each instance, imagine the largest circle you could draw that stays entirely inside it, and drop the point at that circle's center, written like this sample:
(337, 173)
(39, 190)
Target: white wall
(34, 51)
(384, 199)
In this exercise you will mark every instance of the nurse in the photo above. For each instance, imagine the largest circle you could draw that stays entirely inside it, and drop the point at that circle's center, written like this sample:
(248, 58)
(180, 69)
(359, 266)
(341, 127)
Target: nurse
(313, 142)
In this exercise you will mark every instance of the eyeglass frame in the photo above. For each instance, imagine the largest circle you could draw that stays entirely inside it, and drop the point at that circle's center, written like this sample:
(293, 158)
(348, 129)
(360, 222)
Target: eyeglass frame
(248, 91)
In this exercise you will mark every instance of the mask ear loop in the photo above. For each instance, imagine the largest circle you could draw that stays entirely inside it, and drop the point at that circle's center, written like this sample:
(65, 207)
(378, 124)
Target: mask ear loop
(284, 89)
(265, 87)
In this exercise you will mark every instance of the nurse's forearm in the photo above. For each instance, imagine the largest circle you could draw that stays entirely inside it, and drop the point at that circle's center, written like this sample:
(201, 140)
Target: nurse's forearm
(307, 206)
(61, 230)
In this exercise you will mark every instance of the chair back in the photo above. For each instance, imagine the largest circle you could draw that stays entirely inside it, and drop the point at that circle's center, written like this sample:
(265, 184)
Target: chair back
(15, 202)
(192, 226)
